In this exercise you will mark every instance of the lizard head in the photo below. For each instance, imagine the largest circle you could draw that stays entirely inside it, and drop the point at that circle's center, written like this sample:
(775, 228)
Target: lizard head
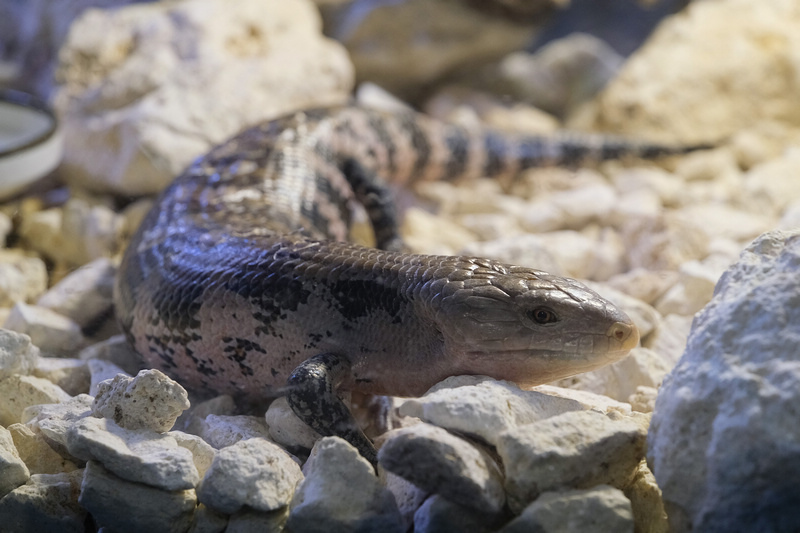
(525, 325)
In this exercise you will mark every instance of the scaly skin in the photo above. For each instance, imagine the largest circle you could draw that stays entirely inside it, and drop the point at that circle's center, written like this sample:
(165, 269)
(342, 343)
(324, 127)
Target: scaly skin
(240, 280)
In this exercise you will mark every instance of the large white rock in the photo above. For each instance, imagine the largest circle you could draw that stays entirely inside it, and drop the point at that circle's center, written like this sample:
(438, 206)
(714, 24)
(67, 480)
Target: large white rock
(143, 456)
(20, 392)
(702, 50)
(600, 509)
(441, 463)
(150, 400)
(47, 503)
(253, 472)
(38, 455)
(17, 354)
(576, 450)
(53, 333)
(723, 443)
(22, 278)
(83, 294)
(341, 493)
(484, 407)
(129, 507)
(147, 88)
(13, 471)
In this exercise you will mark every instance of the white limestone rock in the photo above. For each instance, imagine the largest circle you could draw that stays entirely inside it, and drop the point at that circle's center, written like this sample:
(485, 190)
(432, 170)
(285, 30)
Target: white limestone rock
(643, 399)
(84, 294)
(584, 205)
(575, 450)
(693, 290)
(100, 372)
(484, 407)
(22, 278)
(151, 400)
(619, 380)
(684, 51)
(643, 284)
(116, 350)
(441, 463)
(429, 234)
(439, 514)
(153, 86)
(341, 493)
(74, 234)
(664, 243)
(142, 456)
(13, 471)
(221, 431)
(47, 503)
(561, 74)
(589, 400)
(425, 41)
(719, 220)
(723, 440)
(206, 520)
(772, 185)
(127, 507)
(286, 428)
(202, 452)
(72, 375)
(599, 509)
(408, 496)
(253, 472)
(251, 521)
(646, 502)
(19, 392)
(53, 333)
(669, 338)
(53, 420)
(36, 453)
(17, 354)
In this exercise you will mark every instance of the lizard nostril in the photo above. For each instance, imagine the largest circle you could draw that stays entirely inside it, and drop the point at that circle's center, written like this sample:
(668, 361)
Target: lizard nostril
(624, 333)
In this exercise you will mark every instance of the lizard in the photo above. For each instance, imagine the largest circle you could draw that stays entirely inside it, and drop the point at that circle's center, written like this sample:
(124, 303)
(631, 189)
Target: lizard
(241, 279)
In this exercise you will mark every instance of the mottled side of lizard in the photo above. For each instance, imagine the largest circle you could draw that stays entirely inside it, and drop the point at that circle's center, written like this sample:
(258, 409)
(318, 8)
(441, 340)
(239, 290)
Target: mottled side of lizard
(240, 280)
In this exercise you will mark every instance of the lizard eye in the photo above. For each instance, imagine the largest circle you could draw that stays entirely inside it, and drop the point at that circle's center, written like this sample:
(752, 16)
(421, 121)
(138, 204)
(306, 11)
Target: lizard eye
(543, 315)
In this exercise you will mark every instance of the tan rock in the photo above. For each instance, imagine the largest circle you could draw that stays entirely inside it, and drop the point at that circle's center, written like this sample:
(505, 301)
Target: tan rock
(132, 77)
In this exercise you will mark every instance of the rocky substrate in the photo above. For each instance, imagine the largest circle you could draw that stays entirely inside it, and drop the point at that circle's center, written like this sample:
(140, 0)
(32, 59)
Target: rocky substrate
(90, 440)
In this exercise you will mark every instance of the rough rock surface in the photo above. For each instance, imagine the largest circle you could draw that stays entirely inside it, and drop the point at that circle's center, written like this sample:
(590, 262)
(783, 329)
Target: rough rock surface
(150, 87)
(125, 506)
(439, 514)
(441, 463)
(51, 332)
(19, 392)
(578, 450)
(642, 100)
(13, 471)
(17, 354)
(83, 294)
(22, 278)
(733, 395)
(38, 455)
(141, 456)
(150, 400)
(597, 510)
(253, 472)
(221, 431)
(340, 493)
(484, 407)
(47, 503)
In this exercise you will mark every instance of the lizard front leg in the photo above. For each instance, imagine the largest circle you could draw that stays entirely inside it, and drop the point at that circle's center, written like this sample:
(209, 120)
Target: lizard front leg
(313, 398)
